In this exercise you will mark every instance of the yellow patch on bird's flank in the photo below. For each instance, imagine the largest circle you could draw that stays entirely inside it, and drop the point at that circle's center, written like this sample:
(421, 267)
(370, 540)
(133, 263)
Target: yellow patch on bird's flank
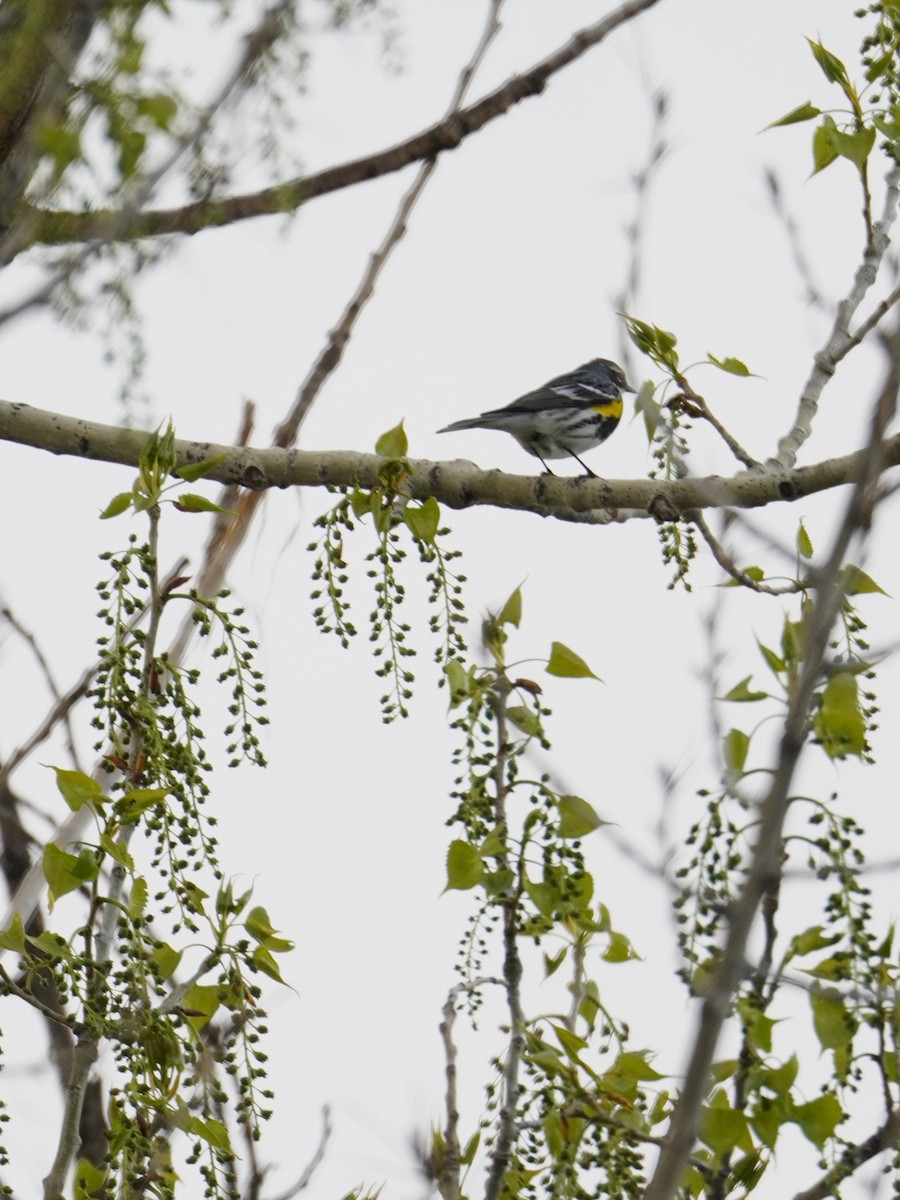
(612, 409)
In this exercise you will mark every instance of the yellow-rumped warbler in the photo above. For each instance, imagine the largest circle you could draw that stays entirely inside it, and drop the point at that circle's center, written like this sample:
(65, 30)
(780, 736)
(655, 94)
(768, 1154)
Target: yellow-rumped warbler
(570, 413)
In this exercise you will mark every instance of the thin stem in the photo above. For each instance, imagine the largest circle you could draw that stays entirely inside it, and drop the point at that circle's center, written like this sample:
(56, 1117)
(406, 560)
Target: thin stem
(512, 963)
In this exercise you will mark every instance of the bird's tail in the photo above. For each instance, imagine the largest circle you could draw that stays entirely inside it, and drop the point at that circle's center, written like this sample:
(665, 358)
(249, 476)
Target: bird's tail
(468, 423)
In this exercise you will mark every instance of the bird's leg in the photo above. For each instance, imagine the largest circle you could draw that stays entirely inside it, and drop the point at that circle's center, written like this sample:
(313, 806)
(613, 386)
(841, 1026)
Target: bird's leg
(587, 469)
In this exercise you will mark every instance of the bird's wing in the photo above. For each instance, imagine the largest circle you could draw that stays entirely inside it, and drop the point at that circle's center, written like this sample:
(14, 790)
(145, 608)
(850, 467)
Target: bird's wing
(582, 386)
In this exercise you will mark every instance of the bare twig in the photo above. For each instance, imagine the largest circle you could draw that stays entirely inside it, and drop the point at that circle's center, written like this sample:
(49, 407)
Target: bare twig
(55, 228)
(727, 563)
(49, 1014)
(60, 707)
(634, 231)
(872, 321)
(804, 269)
(66, 702)
(313, 1165)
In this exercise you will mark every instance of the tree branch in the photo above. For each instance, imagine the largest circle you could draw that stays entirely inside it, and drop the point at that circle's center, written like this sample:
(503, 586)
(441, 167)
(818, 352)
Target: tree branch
(764, 870)
(66, 228)
(840, 341)
(457, 484)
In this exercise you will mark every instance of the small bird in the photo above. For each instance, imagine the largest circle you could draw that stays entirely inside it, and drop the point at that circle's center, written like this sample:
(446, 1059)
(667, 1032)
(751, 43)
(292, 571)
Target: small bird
(570, 413)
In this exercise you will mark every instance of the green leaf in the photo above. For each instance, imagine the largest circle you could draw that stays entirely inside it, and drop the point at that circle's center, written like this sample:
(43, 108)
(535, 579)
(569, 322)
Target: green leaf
(65, 872)
(757, 574)
(880, 66)
(839, 722)
(117, 851)
(646, 405)
(543, 896)
(191, 472)
(819, 1118)
(211, 1131)
(190, 502)
(525, 719)
(137, 901)
(468, 1155)
(633, 1064)
(465, 867)
(552, 963)
(459, 681)
(775, 664)
(657, 343)
(200, 1003)
(88, 1180)
(803, 112)
(496, 883)
(78, 789)
(567, 663)
(13, 938)
(511, 612)
(62, 144)
(619, 949)
(263, 961)
(855, 582)
(258, 924)
(117, 505)
(576, 817)
(804, 542)
(263, 931)
(742, 693)
(136, 802)
(393, 444)
(166, 959)
(735, 745)
(833, 1023)
(722, 1128)
(571, 1043)
(832, 67)
(834, 969)
(423, 520)
(856, 146)
(825, 149)
(51, 945)
(811, 939)
(362, 502)
(553, 1133)
(780, 1080)
(757, 1026)
(160, 108)
(733, 366)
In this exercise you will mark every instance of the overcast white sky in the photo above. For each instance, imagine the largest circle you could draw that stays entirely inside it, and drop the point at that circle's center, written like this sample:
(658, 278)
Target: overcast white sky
(507, 276)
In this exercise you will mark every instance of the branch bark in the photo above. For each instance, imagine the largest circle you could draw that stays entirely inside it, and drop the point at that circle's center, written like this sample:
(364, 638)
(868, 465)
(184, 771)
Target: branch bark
(456, 484)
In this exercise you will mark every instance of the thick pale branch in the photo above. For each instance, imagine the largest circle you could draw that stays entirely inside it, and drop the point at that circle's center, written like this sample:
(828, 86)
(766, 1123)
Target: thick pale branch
(66, 228)
(457, 484)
